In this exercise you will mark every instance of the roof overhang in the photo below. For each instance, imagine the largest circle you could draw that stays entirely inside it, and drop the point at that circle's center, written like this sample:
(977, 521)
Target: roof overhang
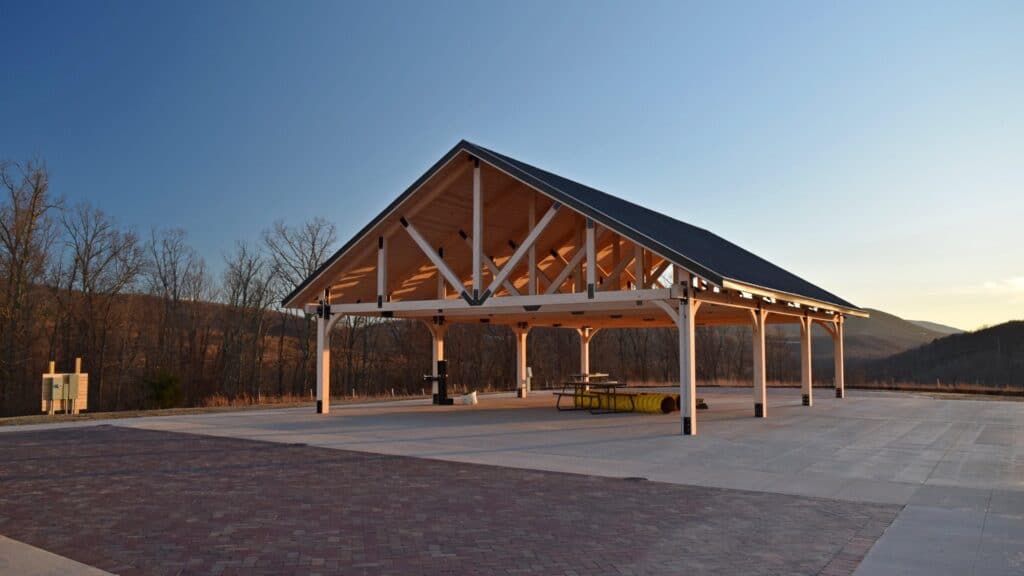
(307, 292)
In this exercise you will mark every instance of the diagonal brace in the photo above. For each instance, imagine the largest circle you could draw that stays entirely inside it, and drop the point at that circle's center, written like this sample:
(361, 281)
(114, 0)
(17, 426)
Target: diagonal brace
(489, 262)
(521, 251)
(435, 259)
(573, 263)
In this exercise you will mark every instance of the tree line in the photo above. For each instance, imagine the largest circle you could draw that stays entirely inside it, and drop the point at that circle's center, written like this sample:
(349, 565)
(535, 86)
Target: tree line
(155, 328)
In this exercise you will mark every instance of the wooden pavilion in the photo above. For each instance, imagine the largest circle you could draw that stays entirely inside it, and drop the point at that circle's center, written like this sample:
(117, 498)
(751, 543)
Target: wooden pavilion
(482, 237)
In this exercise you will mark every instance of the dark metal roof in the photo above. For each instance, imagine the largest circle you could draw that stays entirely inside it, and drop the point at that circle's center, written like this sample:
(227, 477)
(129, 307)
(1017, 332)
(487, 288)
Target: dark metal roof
(696, 249)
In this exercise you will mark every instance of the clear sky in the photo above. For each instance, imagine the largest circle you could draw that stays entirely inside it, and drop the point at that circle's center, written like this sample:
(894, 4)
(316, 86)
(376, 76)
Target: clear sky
(876, 149)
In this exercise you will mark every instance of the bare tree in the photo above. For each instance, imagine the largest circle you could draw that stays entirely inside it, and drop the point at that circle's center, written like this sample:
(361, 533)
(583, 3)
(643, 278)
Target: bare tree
(295, 254)
(26, 236)
(248, 296)
(177, 276)
(104, 263)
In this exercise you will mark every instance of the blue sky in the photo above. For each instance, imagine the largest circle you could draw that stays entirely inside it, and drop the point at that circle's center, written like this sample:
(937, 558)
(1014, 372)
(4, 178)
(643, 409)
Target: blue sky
(876, 149)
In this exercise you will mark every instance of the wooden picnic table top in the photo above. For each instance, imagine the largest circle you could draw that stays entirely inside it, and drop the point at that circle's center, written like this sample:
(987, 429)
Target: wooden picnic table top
(584, 377)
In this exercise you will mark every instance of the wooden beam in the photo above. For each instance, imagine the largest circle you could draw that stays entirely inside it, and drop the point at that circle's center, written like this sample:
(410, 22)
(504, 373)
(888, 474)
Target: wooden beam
(497, 303)
(776, 295)
(725, 298)
(434, 258)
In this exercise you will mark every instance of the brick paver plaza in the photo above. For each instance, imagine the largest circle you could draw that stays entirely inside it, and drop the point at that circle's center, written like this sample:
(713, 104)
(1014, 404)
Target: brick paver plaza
(148, 502)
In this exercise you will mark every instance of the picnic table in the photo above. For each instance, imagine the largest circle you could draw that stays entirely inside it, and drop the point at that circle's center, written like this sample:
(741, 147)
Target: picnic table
(591, 387)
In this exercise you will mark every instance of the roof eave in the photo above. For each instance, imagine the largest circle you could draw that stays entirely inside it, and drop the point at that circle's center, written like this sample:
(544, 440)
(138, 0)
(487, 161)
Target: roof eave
(795, 298)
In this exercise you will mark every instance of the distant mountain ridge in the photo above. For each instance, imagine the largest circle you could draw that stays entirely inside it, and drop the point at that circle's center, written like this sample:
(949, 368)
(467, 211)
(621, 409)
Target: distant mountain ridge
(884, 334)
(991, 357)
(879, 336)
(936, 327)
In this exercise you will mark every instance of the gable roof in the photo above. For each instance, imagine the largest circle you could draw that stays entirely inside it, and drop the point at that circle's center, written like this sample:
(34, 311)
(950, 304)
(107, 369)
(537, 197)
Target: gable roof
(696, 249)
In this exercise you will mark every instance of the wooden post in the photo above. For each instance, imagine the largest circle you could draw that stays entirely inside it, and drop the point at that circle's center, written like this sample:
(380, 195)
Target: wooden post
(585, 334)
(51, 403)
(760, 373)
(687, 362)
(437, 332)
(521, 333)
(442, 288)
(478, 226)
(382, 271)
(614, 280)
(837, 342)
(687, 365)
(638, 267)
(806, 384)
(581, 248)
(532, 272)
(591, 260)
(323, 366)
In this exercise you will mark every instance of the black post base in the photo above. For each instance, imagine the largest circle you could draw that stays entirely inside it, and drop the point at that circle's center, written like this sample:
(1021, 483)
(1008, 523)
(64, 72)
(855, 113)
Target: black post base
(434, 399)
(807, 399)
(319, 406)
(687, 426)
(839, 393)
(758, 410)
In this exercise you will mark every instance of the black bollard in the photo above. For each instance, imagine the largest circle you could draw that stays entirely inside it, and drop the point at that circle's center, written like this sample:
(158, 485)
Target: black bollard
(441, 398)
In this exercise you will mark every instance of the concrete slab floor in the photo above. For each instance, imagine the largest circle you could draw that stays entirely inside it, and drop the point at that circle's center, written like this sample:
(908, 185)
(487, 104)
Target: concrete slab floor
(948, 461)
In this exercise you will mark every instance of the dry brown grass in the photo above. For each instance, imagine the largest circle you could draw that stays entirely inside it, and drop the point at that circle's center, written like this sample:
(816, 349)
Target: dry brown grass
(938, 389)
(210, 405)
(944, 388)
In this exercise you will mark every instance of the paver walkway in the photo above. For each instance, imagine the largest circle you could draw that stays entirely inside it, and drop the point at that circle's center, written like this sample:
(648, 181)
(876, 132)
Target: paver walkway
(149, 502)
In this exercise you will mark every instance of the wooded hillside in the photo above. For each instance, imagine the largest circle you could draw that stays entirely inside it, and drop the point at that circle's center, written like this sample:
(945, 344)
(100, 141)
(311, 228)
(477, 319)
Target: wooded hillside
(992, 357)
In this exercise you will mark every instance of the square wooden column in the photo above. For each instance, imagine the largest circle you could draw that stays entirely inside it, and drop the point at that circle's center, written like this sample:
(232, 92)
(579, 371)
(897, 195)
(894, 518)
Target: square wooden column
(521, 334)
(840, 376)
(437, 333)
(760, 373)
(806, 384)
(687, 364)
(323, 365)
(585, 335)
